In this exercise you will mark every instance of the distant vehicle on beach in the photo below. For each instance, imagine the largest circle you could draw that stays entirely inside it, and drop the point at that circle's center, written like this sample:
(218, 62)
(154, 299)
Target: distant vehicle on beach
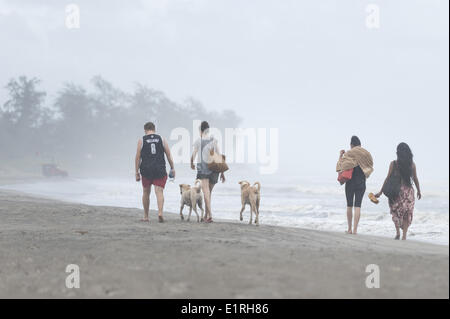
(52, 170)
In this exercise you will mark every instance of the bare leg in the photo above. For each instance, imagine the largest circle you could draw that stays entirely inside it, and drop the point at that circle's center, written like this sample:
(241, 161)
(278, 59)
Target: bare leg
(349, 219)
(160, 199)
(405, 227)
(207, 196)
(397, 229)
(356, 221)
(146, 202)
(211, 186)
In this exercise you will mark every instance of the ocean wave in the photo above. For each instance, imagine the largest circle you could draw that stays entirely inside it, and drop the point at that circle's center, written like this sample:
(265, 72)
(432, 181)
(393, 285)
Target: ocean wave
(313, 206)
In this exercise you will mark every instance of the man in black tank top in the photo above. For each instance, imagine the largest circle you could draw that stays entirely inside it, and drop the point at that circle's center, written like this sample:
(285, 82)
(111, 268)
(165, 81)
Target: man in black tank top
(151, 167)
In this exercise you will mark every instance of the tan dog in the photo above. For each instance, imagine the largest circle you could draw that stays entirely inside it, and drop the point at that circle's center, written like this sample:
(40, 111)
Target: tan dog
(191, 196)
(250, 194)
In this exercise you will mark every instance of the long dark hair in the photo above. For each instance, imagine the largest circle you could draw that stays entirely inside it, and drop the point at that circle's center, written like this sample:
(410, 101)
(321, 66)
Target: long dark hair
(404, 162)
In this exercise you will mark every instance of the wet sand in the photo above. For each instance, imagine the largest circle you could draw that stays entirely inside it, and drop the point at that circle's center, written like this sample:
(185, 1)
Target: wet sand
(121, 257)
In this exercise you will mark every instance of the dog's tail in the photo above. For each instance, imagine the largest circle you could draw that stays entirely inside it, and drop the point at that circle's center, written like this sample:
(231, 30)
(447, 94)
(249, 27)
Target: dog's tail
(198, 185)
(258, 186)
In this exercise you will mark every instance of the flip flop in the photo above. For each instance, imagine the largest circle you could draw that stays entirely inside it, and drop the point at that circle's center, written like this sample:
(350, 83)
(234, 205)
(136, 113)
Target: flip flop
(373, 199)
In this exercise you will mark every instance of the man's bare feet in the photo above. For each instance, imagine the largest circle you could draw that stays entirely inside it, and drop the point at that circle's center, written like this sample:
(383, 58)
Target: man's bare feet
(145, 220)
(355, 232)
(397, 237)
(348, 232)
(160, 219)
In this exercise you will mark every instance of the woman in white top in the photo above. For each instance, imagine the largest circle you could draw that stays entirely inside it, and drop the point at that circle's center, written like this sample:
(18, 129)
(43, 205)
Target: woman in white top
(202, 148)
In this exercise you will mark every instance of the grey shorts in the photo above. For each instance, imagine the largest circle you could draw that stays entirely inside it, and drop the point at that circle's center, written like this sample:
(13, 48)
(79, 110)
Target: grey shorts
(213, 177)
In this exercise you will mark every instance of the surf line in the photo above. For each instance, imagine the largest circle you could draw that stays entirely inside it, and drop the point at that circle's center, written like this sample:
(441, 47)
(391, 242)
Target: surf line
(209, 310)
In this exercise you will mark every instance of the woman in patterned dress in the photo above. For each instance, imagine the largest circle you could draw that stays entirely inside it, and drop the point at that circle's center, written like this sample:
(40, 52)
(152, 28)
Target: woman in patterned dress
(402, 207)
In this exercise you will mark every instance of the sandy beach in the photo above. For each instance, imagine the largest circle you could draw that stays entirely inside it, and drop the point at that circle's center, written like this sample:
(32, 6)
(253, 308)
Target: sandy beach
(120, 257)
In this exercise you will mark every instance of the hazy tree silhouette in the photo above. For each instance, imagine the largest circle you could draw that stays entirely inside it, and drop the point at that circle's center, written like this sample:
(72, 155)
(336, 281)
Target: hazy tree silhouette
(24, 108)
(23, 114)
(74, 121)
(94, 128)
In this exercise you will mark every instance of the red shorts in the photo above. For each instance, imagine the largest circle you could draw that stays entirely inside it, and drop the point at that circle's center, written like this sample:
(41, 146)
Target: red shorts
(161, 182)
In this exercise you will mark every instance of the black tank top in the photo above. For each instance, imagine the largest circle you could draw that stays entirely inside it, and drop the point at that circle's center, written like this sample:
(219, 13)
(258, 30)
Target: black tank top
(153, 164)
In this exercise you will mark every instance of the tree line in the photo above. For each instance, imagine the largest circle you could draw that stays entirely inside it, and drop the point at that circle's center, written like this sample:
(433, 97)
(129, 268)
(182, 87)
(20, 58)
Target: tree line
(82, 127)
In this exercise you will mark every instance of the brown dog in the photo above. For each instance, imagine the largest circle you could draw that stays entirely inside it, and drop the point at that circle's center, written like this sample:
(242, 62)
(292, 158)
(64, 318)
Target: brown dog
(250, 194)
(191, 196)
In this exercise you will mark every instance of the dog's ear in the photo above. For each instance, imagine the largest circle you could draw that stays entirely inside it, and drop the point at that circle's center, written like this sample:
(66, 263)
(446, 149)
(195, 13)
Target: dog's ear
(243, 183)
(182, 187)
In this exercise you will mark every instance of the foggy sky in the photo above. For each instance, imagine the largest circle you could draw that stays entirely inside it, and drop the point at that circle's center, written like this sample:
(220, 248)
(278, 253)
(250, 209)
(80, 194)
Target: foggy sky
(311, 68)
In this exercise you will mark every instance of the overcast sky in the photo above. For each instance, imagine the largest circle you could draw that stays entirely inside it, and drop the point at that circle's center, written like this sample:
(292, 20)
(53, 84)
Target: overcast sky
(310, 68)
